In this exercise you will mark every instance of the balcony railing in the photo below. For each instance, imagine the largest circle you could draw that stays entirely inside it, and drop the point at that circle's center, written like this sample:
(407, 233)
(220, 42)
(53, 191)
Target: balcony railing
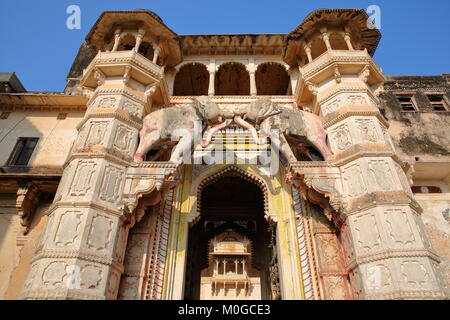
(129, 56)
(331, 56)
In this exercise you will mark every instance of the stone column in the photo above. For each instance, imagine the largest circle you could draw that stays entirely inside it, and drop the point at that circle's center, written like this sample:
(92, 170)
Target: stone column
(326, 38)
(139, 38)
(156, 54)
(117, 37)
(307, 48)
(347, 40)
(82, 249)
(251, 68)
(388, 254)
(212, 69)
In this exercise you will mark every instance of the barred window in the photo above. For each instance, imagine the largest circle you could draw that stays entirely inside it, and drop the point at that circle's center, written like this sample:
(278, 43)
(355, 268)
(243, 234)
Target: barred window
(22, 151)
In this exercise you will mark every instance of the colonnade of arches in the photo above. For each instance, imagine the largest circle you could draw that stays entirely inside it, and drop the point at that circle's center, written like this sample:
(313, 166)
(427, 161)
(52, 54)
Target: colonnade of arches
(232, 78)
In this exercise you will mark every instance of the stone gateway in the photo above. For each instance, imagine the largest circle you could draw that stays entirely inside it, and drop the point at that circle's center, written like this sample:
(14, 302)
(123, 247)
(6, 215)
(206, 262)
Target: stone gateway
(145, 179)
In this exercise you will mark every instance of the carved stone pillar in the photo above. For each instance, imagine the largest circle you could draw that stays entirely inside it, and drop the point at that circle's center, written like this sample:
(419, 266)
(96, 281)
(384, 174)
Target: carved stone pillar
(388, 254)
(326, 39)
(156, 54)
(251, 68)
(117, 37)
(82, 249)
(139, 38)
(307, 48)
(212, 78)
(348, 41)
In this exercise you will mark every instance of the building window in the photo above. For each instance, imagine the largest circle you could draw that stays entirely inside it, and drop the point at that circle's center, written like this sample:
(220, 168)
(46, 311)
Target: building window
(22, 151)
(437, 102)
(407, 102)
(426, 189)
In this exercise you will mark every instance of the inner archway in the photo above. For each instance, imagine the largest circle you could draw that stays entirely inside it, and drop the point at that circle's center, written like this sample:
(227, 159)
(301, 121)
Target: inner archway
(192, 80)
(231, 205)
(272, 79)
(232, 79)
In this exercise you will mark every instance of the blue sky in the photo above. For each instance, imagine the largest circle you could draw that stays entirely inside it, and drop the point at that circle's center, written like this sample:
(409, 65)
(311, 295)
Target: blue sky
(36, 44)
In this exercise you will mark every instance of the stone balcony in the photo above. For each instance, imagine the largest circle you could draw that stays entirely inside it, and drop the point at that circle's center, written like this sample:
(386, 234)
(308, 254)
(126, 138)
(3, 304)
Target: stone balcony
(114, 65)
(351, 62)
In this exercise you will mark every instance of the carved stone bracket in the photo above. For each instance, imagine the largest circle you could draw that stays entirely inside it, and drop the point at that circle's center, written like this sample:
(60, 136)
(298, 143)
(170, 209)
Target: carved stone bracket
(318, 182)
(27, 202)
(146, 184)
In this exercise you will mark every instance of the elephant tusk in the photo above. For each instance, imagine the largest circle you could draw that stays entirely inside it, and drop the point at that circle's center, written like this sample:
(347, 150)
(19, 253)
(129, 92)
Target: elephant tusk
(248, 126)
(207, 140)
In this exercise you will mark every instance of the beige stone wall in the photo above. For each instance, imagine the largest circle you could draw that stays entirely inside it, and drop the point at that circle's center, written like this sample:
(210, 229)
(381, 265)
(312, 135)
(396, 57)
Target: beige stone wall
(55, 136)
(423, 135)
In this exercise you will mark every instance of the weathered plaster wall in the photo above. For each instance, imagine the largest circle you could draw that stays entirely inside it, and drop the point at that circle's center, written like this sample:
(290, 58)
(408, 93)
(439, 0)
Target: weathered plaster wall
(55, 137)
(422, 133)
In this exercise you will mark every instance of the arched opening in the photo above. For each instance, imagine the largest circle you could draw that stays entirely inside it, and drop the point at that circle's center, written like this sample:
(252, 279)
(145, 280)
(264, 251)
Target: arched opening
(232, 79)
(191, 80)
(146, 49)
(127, 43)
(318, 47)
(231, 205)
(337, 41)
(272, 79)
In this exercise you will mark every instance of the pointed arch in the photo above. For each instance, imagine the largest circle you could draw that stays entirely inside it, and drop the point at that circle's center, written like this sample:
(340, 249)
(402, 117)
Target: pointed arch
(210, 176)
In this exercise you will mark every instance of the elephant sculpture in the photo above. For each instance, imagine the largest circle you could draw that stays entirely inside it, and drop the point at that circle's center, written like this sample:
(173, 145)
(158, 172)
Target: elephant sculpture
(295, 124)
(159, 127)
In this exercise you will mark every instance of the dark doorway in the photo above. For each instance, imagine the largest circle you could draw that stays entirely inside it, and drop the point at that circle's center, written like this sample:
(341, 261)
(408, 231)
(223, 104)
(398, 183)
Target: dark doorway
(231, 203)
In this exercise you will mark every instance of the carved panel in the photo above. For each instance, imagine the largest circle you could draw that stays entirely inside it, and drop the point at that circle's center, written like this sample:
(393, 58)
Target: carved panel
(91, 276)
(133, 108)
(31, 275)
(381, 174)
(137, 244)
(113, 285)
(403, 180)
(54, 275)
(357, 286)
(367, 233)
(329, 254)
(354, 181)
(129, 288)
(68, 228)
(414, 273)
(97, 132)
(82, 181)
(356, 99)
(332, 106)
(112, 184)
(100, 233)
(335, 287)
(341, 137)
(378, 277)
(123, 140)
(398, 226)
(107, 102)
(367, 130)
